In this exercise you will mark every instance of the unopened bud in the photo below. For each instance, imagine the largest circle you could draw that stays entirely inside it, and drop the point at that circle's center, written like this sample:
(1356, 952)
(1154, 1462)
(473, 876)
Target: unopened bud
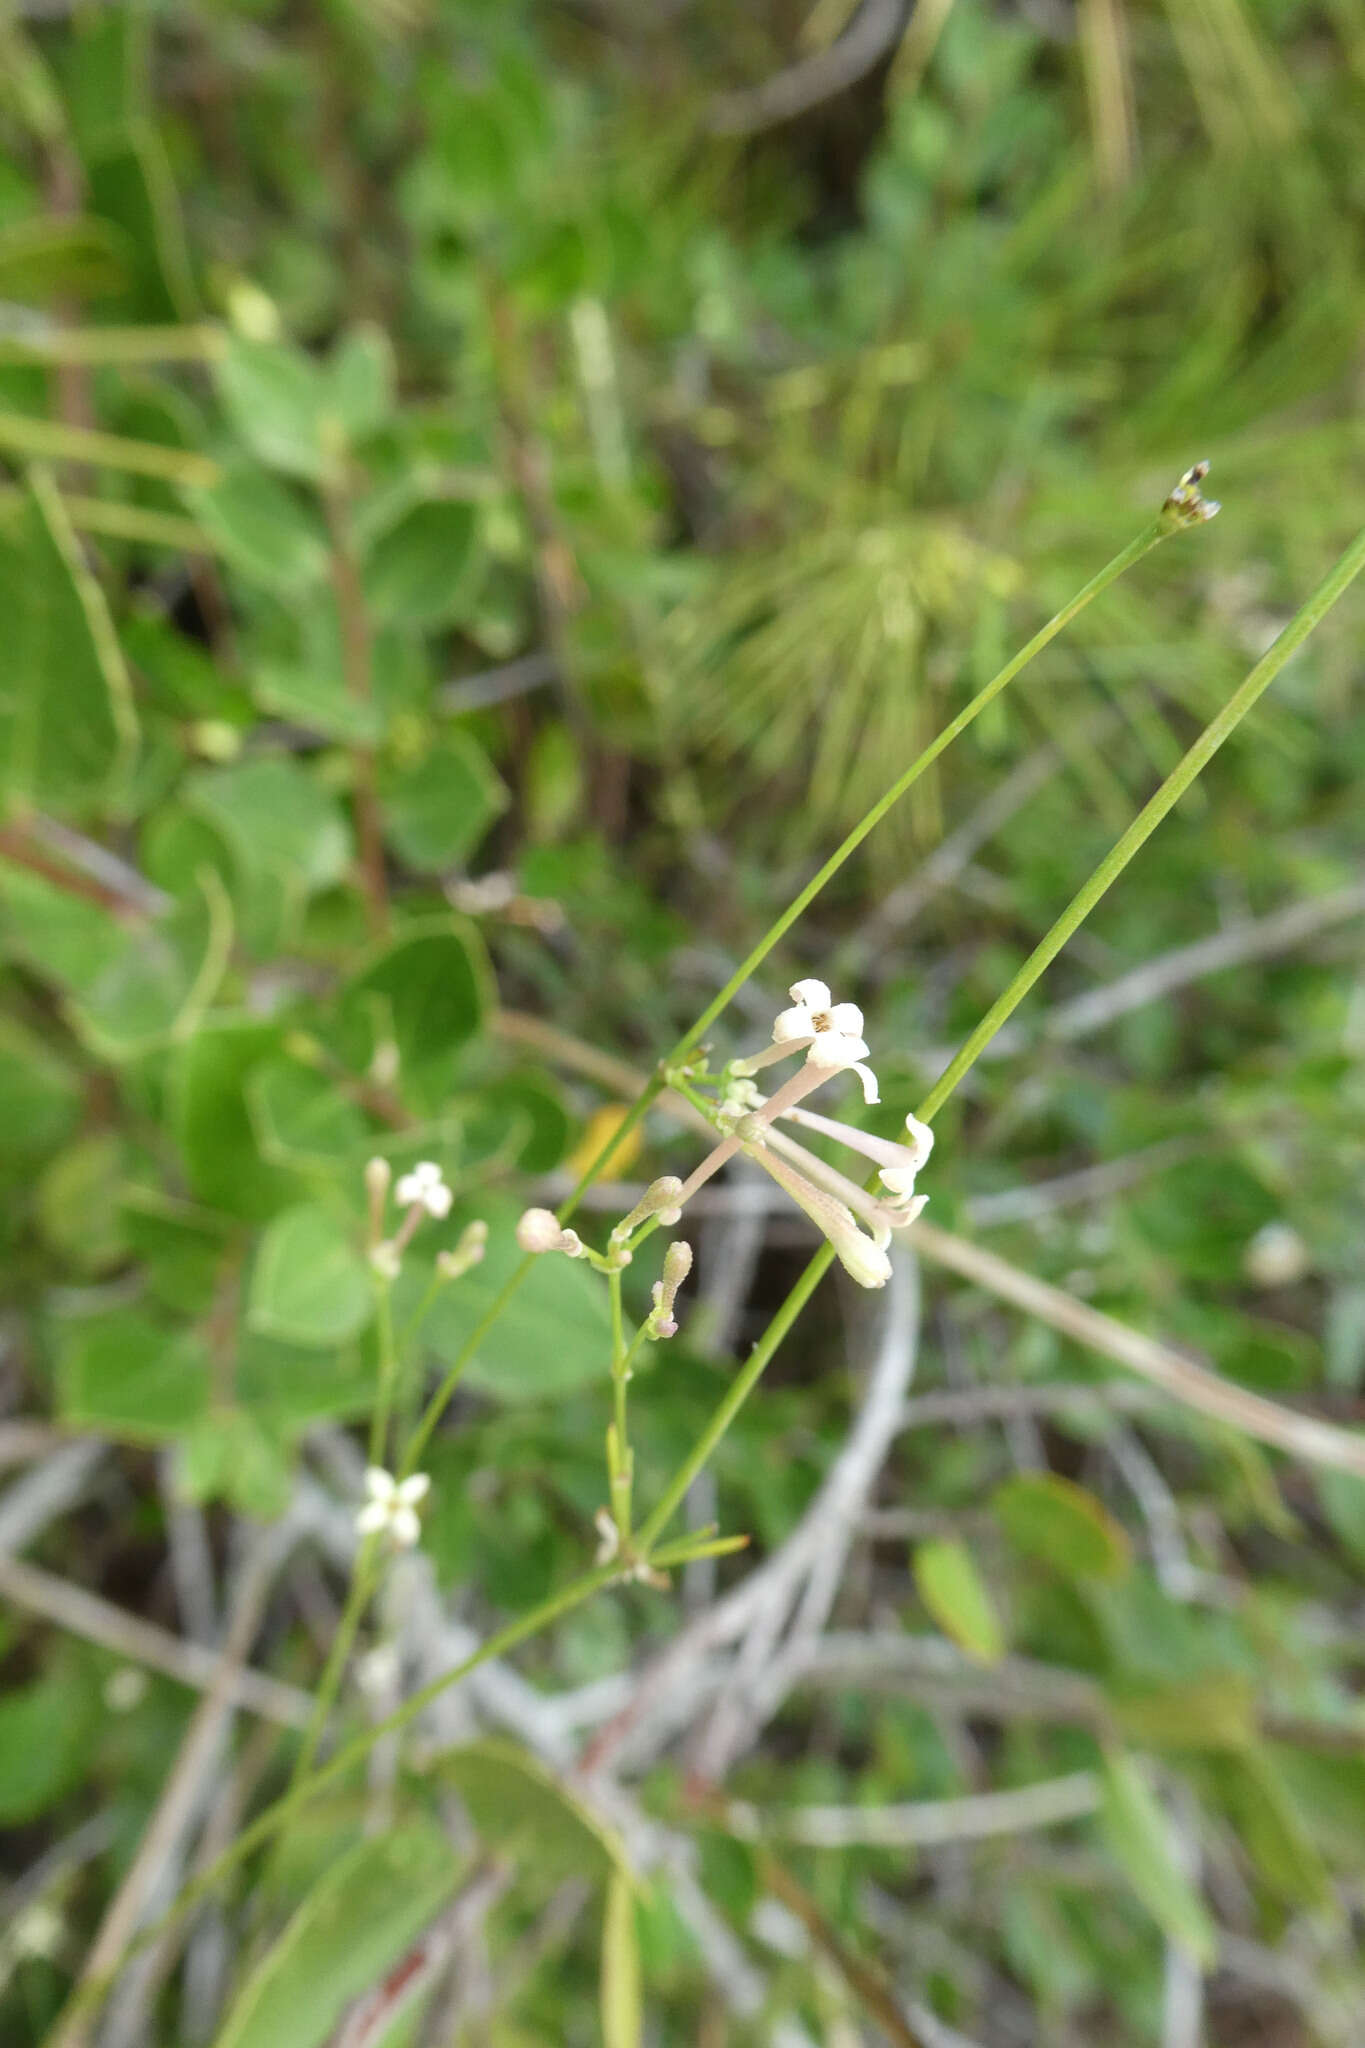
(660, 1199)
(467, 1252)
(661, 1321)
(386, 1260)
(539, 1230)
(378, 1174)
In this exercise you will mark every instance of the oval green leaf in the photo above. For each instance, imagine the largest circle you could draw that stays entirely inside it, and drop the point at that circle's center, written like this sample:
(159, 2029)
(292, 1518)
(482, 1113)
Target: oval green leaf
(955, 1594)
(1059, 1523)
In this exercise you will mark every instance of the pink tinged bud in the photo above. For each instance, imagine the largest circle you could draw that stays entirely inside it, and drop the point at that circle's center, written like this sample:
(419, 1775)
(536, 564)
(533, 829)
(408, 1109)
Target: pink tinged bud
(677, 1264)
(539, 1230)
(659, 1199)
(378, 1174)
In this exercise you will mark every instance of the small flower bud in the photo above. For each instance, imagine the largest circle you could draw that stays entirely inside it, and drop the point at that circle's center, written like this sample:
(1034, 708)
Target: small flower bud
(473, 1240)
(659, 1199)
(539, 1230)
(1186, 506)
(661, 1321)
(378, 1174)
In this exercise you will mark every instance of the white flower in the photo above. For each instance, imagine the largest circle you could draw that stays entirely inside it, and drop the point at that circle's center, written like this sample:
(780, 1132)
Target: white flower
(898, 1163)
(392, 1506)
(832, 1032)
(425, 1187)
(386, 1259)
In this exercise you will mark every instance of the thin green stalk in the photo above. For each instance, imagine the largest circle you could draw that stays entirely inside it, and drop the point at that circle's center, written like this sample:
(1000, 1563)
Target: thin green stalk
(619, 1460)
(736, 1394)
(388, 1371)
(1148, 818)
(115, 345)
(51, 441)
(268, 1824)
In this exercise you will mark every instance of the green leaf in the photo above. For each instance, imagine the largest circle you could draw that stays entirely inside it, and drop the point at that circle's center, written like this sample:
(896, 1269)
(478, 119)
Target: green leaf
(429, 993)
(353, 1926)
(360, 381)
(420, 572)
(1343, 1502)
(211, 1124)
(1213, 1712)
(78, 257)
(1059, 1523)
(955, 1594)
(129, 1377)
(228, 1456)
(40, 1097)
(262, 529)
(278, 401)
(278, 821)
(310, 1284)
(78, 1199)
(436, 813)
(131, 185)
(301, 1118)
(554, 1334)
(520, 1809)
(1272, 1828)
(289, 1387)
(45, 1733)
(622, 2007)
(1138, 1835)
(67, 725)
(159, 983)
(318, 702)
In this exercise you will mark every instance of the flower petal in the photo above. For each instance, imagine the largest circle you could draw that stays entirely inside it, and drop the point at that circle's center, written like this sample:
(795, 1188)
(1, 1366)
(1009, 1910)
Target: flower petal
(869, 1081)
(379, 1484)
(836, 1049)
(414, 1489)
(789, 1025)
(812, 995)
(372, 1518)
(405, 1527)
(848, 1018)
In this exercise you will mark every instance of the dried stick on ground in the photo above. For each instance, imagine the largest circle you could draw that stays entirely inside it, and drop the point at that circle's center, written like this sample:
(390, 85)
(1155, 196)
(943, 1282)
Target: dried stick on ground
(1303, 1436)
(875, 28)
(924, 1822)
(184, 1787)
(142, 1642)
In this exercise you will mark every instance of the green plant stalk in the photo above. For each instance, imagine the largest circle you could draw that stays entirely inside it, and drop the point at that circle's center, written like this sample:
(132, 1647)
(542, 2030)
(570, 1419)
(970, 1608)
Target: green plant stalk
(363, 1574)
(388, 1371)
(1332, 587)
(736, 1394)
(116, 345)
(268, 1824)
(619, 1461)
(50, 441)
(1142, 544)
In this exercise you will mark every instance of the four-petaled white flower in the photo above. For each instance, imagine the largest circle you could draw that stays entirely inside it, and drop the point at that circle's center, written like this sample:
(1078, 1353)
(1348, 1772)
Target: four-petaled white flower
(831, 1032)
(424, 1186)
(391, 1508)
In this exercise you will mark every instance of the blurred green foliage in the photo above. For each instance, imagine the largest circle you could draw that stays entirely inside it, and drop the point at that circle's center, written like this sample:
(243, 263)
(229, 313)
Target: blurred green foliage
(473, 528)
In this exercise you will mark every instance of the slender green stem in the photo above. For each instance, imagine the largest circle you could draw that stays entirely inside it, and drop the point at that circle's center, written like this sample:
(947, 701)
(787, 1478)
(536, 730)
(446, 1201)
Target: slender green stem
(736, 1394)
(388, 1372)
(50, 440)
(1148, 818)
(468, 1351)
(268, 1824)
(619, 1460)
